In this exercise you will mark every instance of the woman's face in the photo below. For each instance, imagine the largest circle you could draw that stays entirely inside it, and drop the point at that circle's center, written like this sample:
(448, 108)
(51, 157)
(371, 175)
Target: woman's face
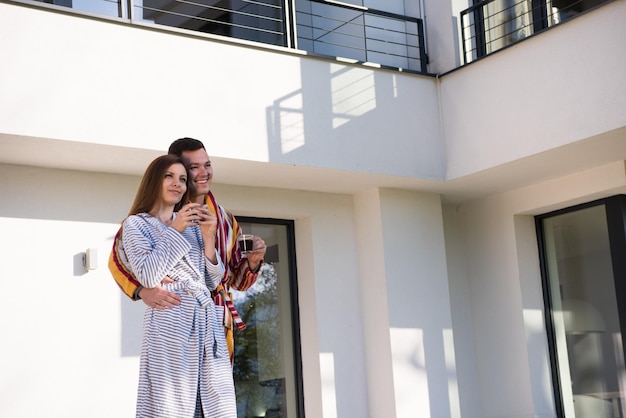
(174, 184)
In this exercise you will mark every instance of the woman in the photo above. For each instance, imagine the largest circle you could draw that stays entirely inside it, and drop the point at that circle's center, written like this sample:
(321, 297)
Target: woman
(184, 368)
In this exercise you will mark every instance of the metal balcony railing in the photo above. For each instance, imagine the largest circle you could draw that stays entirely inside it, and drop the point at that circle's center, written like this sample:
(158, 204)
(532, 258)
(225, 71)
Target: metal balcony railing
(491, 25)
(363, 34)
(253, 20)
(323, 27)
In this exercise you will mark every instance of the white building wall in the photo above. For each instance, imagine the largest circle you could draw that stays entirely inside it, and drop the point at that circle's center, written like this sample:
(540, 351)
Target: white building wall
(497, 313)
(374, 302)
(441, 32)
(452, 328)
(70, 340)
(460, 307)
(331, 324)
(96, 82)
(419, 303)
(405, 305)
(503, 285)
(77, 336)
(546, 92)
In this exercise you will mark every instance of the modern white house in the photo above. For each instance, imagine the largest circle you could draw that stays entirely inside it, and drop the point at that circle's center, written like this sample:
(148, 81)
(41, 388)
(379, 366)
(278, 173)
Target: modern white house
(441, 186)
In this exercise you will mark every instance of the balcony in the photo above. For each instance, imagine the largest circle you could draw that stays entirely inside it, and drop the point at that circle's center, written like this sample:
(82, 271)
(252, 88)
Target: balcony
(491, 25)
(366, 35)
(321, 27)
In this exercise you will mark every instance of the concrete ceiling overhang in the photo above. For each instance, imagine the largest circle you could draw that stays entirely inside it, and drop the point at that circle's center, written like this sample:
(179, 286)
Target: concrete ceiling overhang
(592, 152)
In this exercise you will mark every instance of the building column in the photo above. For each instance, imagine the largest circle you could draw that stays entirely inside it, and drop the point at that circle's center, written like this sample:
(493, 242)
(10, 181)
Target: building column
(405, 301)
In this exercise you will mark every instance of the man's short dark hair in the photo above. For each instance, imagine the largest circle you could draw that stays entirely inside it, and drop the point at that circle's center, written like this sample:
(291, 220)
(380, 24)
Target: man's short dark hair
(185, 144)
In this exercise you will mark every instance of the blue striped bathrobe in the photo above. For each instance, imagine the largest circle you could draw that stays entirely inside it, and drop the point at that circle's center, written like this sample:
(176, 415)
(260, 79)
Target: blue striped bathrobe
(184, 365)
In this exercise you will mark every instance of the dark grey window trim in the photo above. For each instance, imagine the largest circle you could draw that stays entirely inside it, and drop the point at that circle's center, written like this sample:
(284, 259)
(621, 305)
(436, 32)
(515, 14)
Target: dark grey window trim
(295, 308)
(616, 220)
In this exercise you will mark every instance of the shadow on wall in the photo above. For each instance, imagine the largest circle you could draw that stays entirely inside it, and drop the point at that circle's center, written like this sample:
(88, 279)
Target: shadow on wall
(78, 265)
(345, 111)
(132, 325)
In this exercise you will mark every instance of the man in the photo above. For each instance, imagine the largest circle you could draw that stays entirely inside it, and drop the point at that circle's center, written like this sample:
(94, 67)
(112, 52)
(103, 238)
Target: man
(240, 272)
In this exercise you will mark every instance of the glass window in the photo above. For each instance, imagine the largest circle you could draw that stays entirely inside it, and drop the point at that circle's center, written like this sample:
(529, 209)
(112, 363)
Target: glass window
(267, 352)
(584, 316)
(102, 7)
(490, 25)
(562, 10)
(260, 21)
(350, 30)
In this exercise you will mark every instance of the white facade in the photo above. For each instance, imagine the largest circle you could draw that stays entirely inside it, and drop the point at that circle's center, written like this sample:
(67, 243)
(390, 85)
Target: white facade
(413, 199)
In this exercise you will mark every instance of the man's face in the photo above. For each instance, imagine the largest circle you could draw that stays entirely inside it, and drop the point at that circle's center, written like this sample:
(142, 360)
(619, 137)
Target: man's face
(200, 171)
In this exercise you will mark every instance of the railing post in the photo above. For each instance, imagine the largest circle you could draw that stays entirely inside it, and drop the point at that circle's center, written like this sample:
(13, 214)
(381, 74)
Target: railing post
(539, 14)
(130, 8)
(289, 19)
(422, 44)
(365, 37)
(463, 38)
(479, 29)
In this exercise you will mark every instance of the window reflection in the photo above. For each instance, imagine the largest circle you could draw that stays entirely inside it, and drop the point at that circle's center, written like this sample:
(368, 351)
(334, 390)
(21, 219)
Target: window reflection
(264, 367)
(585, 314)
(101, 7)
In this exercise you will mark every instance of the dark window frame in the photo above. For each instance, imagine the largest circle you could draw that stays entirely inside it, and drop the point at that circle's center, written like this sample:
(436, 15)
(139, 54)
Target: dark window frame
(295, 307)
(615, 207)
(540, 16)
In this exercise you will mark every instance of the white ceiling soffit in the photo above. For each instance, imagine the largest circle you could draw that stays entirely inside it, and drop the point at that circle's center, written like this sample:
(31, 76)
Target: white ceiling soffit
(602, 149)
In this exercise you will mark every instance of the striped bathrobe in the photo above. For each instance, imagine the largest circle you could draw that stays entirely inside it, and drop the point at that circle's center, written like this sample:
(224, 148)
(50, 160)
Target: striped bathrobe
(237, 274)
(184, 365)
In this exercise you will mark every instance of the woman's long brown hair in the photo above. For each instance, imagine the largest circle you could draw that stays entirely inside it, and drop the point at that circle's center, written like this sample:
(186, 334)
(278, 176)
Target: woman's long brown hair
(151, 185)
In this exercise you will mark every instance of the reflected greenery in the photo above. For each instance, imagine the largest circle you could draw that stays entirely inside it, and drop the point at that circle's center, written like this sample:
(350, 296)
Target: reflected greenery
(258, 370)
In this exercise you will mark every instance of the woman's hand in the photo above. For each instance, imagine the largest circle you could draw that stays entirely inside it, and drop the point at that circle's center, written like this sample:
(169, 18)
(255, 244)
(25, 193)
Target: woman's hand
(208, 222)
(187, 216)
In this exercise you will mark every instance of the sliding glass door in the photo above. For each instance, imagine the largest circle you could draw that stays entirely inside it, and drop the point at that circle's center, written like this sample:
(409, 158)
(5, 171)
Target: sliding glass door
(583, 260)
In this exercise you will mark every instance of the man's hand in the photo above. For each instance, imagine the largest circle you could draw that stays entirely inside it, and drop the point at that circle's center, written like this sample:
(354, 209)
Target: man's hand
(258, 252)
(159, 298)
